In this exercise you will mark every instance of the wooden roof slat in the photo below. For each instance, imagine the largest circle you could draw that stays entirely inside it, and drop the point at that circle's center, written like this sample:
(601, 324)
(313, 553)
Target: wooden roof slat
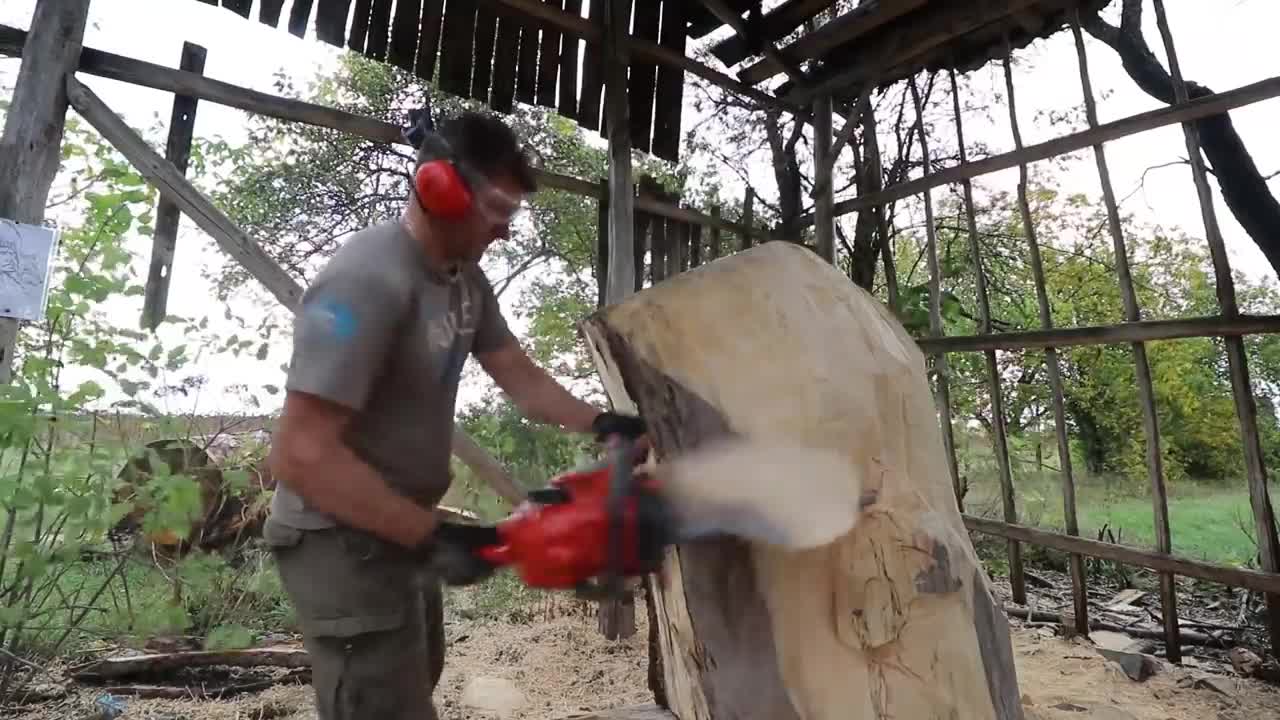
(375, 45)
(429, 39)
(527, 66)
(703, 22)
(299, 14)
(482, 71)
(668, 100)
(853, 25)
(503, 93)
(331, 21)
(778, 23)
(456, 43)
(589, 104)
(644, 75)
(269, 12)
(549, 61)
(359, 26)
(404, 34)
(239, 7)
(569, 50)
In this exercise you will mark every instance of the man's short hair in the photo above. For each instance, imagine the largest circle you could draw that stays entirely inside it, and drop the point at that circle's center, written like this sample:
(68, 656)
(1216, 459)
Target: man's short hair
(485, 144)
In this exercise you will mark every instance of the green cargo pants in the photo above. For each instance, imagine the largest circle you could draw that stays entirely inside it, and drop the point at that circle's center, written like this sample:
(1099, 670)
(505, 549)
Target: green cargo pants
(372, 622)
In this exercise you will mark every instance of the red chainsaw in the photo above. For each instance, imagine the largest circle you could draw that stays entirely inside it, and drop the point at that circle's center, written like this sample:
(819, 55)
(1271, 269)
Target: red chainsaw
(587, 531)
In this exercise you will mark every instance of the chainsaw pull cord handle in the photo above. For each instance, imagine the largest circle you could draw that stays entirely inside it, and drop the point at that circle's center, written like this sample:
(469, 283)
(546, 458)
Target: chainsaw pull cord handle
(620, 486)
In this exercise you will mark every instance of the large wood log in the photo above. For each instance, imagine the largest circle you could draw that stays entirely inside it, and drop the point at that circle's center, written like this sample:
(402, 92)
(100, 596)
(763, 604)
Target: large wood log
(896, 618)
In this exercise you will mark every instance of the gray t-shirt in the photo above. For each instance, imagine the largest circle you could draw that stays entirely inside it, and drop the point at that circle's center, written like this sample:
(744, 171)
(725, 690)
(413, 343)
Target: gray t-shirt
(382, 333)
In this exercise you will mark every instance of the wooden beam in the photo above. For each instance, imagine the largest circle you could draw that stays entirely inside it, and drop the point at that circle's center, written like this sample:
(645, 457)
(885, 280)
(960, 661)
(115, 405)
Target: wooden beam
(1159, 562)
(905, 47)
(158, 77)
(164, 176)
(777, 23)
(622, 269)
(1206, 106)
(856, 23)
(771, 52)
(1127, 332)
(182, 121)
(547, 16)
(824, 159)
(30, 148)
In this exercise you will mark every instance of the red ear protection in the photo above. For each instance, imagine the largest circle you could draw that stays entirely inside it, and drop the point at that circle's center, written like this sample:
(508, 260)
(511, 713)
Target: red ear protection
(441, 190)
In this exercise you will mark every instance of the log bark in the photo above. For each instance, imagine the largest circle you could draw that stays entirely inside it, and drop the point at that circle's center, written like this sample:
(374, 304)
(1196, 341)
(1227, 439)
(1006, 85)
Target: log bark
(115, 668)
(895, 619)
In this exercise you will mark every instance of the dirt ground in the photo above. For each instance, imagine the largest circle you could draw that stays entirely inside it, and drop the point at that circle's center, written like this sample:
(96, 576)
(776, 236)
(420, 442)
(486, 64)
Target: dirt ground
(562, 666)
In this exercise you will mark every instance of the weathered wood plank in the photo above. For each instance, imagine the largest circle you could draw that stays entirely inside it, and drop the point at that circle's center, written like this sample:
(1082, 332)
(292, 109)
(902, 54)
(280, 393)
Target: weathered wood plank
(457, 41)
(182, 122)
(405, 34)
(269, 12)
(622, 270)
(777, 24)
(482, 72)
(299, 14)
(379, 27)
(164, 176)
(359, 30)
(570, 48)
(429, 40)
(824, 160)
(527, 67)
(506, 49)
(668, 101)
(589, 100)
(30, 147)
(331, 21)
(643, 78)
(646, 49)
(1122, 333)
(549, 60)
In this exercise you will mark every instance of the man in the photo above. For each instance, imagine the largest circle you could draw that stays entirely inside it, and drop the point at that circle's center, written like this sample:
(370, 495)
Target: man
(362, 448)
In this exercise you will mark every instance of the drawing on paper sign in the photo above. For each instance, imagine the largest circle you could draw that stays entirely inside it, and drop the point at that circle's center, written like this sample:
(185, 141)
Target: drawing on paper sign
(26, 264)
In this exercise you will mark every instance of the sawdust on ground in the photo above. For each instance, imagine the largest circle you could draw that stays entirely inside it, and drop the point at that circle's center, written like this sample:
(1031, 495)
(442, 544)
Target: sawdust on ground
(564, 667)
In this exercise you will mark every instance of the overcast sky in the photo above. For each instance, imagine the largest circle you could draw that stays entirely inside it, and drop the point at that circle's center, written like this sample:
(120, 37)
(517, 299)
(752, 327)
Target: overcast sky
(1223, 44)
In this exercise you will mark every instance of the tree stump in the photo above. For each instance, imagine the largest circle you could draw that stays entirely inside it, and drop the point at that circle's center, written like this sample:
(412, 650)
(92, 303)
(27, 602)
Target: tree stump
(895, 619)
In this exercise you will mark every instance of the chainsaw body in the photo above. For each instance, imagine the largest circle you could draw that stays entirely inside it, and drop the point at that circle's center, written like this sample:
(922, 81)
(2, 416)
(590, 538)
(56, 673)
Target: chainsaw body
(600, 522)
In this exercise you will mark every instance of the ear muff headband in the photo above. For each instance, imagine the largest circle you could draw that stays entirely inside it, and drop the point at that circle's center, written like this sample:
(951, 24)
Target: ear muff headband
(440, 184)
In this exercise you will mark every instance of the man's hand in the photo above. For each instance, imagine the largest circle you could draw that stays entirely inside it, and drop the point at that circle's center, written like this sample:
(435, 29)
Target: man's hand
(452, 553)
(608, 423)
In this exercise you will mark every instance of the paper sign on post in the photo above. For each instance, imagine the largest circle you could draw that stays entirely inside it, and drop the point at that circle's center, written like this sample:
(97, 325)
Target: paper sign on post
(26, 265)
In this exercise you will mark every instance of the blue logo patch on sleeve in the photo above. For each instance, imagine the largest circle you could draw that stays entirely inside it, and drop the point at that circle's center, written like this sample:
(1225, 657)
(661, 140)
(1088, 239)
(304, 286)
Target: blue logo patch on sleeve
(334, 316)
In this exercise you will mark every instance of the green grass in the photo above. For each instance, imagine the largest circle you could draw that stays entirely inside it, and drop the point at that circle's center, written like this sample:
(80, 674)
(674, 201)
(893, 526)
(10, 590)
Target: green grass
(1207, 521)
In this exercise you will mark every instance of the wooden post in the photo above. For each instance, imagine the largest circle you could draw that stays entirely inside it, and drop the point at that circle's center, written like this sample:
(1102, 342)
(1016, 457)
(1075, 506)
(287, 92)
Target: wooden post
(943, 398)
(617, 619)
(823, 160)
(1078, 579)
(30, 148)
(602, 245)
(1146, 394)
(875, 174)
(748, 217)
(1237, 360)
(182, 123)
(1017, 580)
(622, 269)
(714, 250)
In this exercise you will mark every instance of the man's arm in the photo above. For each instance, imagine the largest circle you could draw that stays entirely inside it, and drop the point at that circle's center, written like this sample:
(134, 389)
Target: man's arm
(308, 451)
(344, 329)
(538, 395)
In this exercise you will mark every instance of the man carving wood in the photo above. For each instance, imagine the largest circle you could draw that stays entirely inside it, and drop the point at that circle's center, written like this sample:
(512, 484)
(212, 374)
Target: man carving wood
(363, 445)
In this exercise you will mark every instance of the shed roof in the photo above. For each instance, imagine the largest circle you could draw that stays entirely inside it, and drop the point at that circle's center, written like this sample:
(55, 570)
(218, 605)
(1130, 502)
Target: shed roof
(503, 51)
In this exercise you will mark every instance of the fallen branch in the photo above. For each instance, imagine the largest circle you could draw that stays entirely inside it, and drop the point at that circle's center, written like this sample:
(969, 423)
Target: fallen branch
(1187, 637)
(207, 692)
(111, 668)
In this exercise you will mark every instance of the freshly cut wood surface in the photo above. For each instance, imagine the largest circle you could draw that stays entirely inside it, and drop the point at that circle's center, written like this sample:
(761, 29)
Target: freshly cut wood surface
(893, 619)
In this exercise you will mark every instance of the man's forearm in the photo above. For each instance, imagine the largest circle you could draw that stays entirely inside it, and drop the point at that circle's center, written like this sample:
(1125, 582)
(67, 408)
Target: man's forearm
(355, 494)
(542, 398)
